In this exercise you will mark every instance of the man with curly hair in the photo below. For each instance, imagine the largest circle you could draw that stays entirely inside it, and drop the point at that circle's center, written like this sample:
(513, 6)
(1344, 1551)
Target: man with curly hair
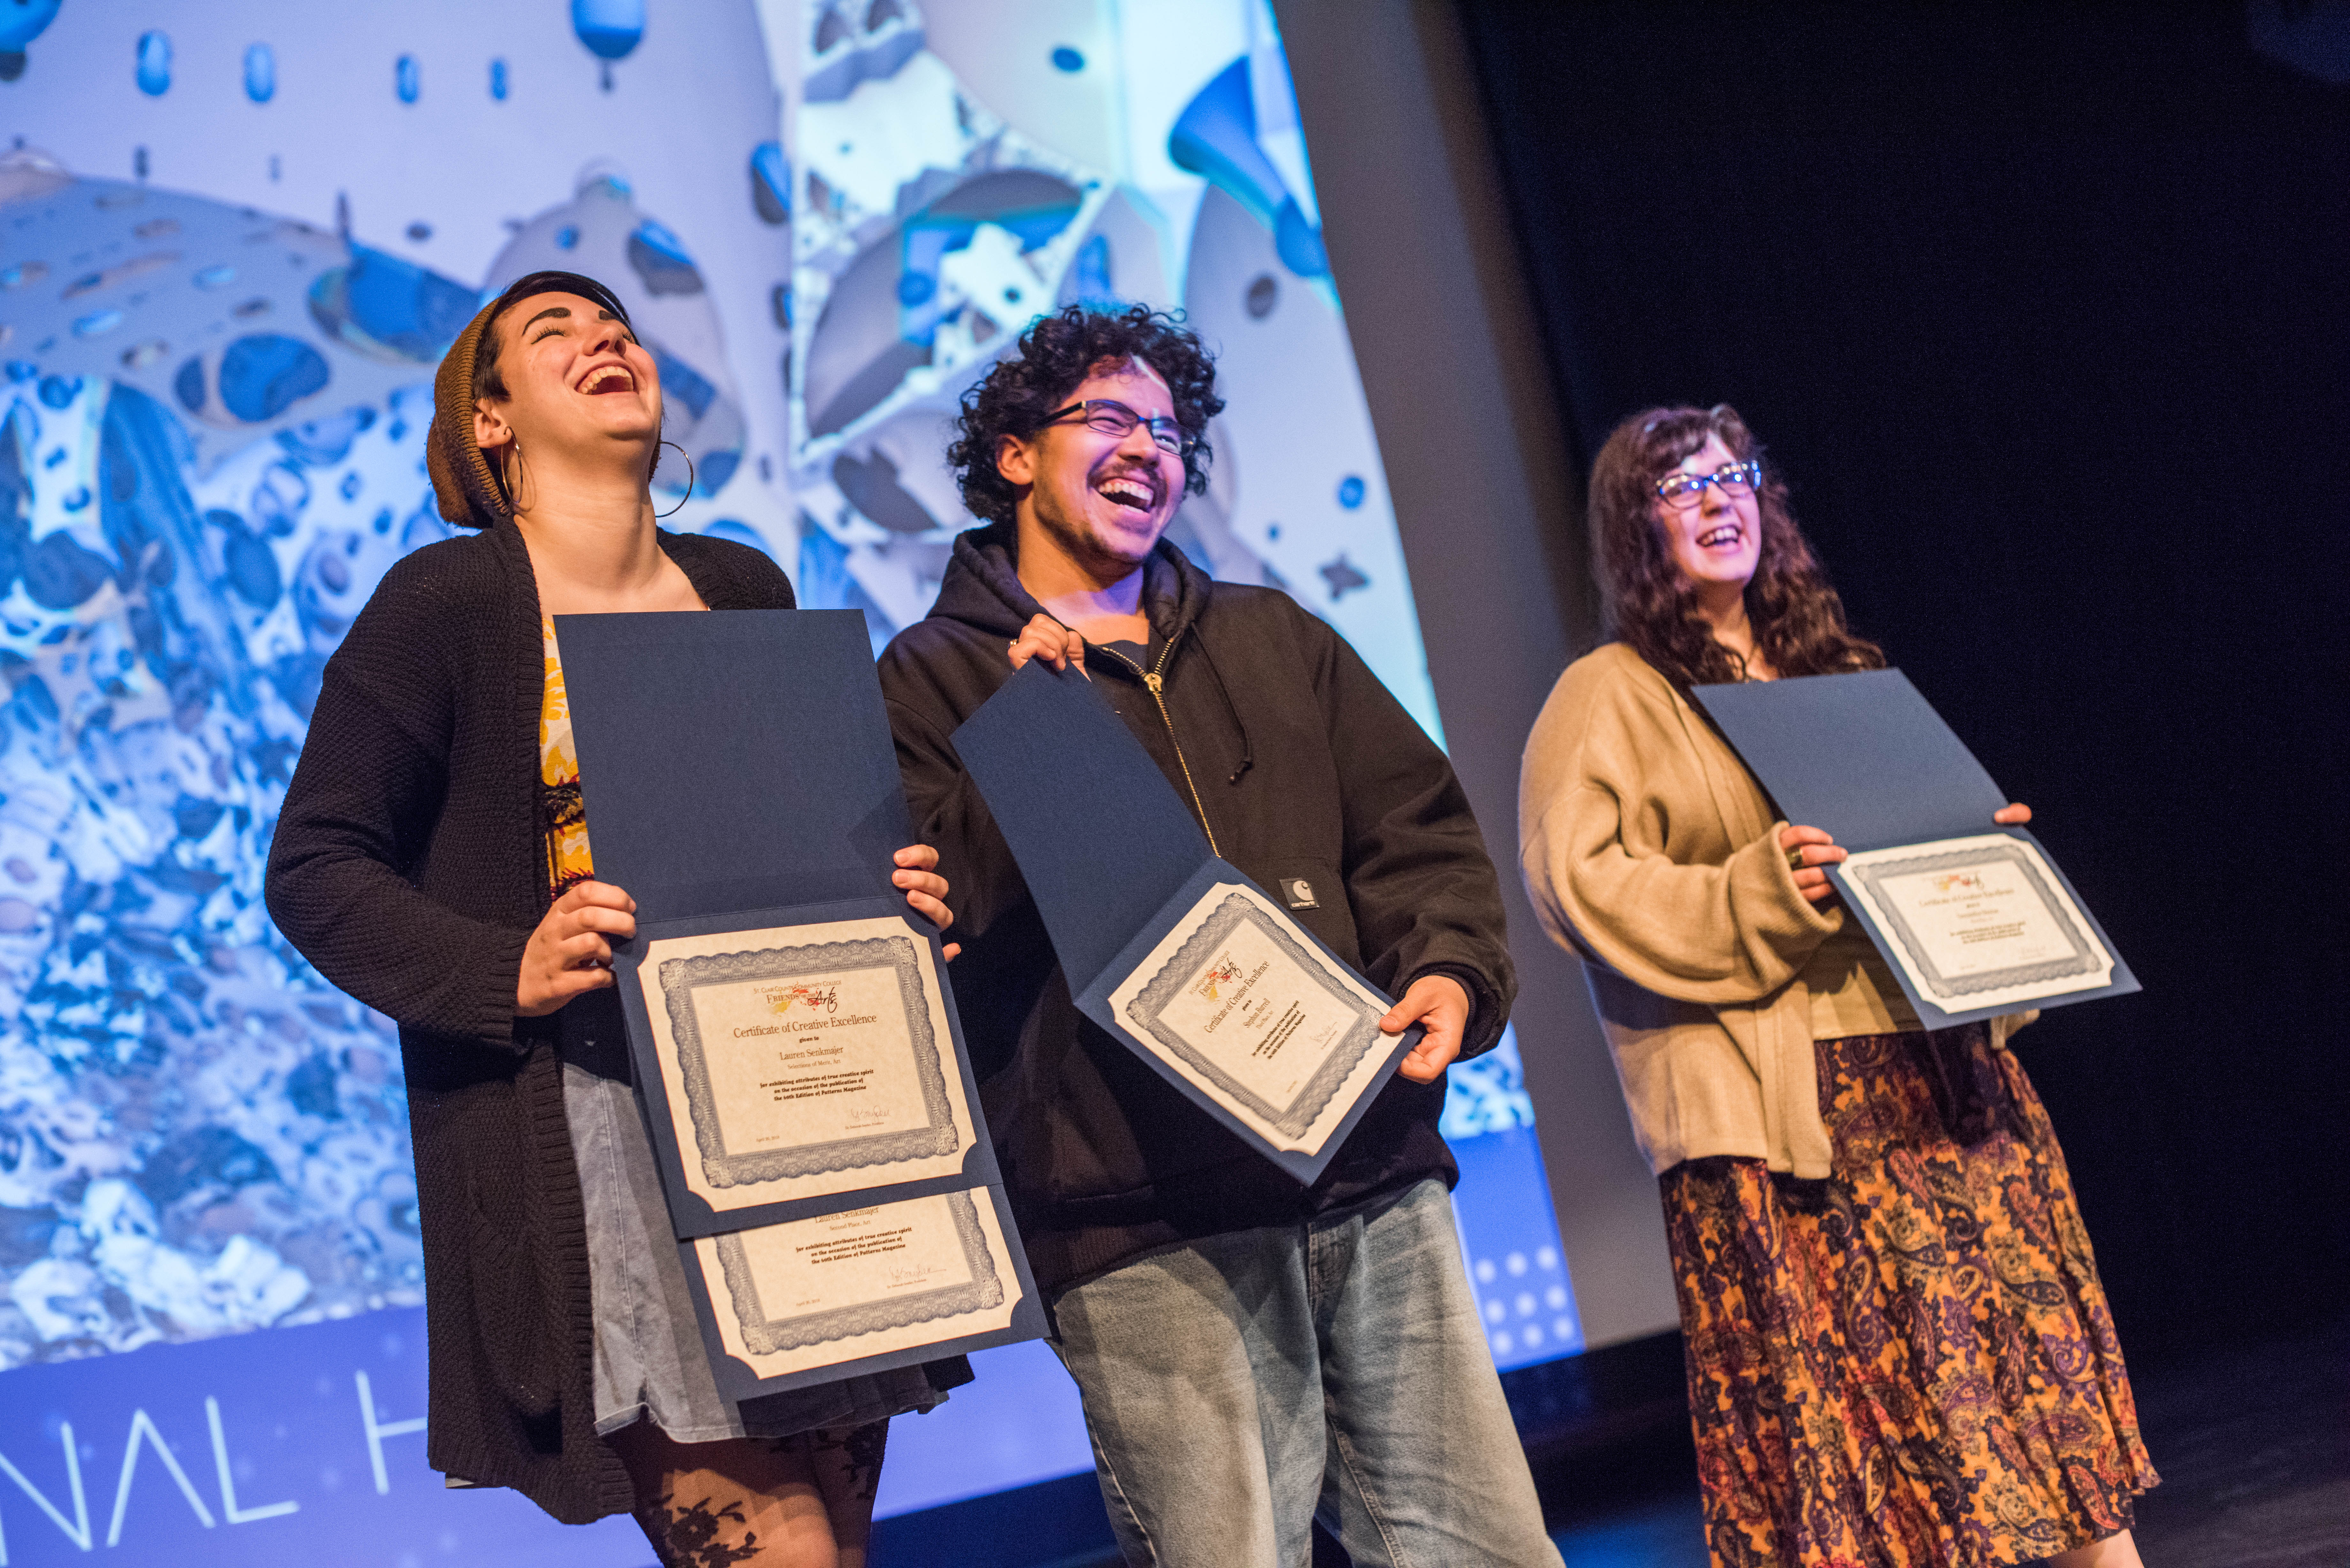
(1250, 1351)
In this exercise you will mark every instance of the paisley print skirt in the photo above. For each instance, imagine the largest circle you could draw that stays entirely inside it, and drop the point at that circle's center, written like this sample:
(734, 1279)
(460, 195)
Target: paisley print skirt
(1909, 1363)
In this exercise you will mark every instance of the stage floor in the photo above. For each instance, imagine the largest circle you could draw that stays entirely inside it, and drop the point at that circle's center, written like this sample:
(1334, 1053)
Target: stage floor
(2251, 1441)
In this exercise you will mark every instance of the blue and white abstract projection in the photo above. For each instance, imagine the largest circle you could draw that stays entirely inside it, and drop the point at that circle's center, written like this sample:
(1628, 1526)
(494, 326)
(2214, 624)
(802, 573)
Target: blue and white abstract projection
(957, 177)
(211, 429)
(210, 452)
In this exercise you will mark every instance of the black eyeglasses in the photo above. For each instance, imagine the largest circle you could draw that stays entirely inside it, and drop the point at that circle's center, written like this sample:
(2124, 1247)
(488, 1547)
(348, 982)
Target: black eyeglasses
(1680, 491)
(1112, 418)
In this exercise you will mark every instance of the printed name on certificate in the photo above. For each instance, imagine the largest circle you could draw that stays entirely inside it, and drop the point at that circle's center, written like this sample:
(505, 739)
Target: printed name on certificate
(1979, 922)
(805, 1060)
(1257, 1018)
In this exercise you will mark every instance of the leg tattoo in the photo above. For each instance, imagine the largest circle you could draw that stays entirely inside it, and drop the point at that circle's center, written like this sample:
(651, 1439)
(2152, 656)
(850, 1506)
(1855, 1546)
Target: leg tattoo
(733, 1503)
(689, 1537)
(852, 1453)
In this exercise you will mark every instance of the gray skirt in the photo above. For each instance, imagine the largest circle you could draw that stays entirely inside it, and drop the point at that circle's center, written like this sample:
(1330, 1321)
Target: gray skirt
(650, 1364)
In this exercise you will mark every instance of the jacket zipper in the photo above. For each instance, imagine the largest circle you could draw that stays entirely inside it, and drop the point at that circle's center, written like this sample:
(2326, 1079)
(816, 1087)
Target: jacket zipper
(1153, 682)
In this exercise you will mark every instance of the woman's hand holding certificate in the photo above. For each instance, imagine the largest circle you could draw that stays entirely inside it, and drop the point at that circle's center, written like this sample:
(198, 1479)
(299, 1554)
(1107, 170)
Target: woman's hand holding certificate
(1811, 850)
(1973, 924)
(570, 953)
(790, 1027)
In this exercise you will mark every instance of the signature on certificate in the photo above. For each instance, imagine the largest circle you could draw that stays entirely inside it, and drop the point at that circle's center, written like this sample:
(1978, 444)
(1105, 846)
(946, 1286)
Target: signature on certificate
(901, 1275)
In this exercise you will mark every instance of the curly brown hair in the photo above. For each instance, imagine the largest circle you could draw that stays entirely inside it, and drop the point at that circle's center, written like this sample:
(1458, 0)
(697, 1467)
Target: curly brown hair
(1797, 618)
(1056, 354)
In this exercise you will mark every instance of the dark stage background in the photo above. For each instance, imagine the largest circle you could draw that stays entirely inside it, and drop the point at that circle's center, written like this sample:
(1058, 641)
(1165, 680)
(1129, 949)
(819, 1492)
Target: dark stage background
(2045, 314)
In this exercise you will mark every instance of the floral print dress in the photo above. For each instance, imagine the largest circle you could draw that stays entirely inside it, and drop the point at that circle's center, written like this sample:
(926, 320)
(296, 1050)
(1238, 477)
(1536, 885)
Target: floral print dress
(1909, 1364)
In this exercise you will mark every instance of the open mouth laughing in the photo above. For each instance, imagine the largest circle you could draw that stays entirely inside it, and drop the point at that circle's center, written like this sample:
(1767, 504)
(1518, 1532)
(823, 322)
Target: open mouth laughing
(605, 378)
(1135, 492)
(1726, 536)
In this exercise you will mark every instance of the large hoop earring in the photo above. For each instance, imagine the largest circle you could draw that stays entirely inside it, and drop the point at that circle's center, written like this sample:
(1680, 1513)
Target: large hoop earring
(498, 473)
(689, 475)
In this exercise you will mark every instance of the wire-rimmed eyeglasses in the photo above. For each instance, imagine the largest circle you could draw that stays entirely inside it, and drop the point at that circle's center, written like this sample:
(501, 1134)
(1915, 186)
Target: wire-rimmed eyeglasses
(1681, 491)
(1112, 418)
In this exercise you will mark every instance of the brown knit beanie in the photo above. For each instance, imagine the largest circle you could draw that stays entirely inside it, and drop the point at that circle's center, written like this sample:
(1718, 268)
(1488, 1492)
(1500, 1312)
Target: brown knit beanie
(468, 492)
(469, 495)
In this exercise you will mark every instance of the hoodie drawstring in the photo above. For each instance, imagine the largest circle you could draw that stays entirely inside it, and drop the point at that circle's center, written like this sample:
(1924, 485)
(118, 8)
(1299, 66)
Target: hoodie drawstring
(1248, 752)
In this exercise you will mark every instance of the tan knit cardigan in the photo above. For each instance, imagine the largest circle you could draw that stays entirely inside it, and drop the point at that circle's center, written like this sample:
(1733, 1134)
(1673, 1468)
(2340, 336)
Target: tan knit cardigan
(1651, 853)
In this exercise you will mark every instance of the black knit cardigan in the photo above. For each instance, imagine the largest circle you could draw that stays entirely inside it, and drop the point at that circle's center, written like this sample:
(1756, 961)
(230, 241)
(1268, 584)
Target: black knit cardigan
(409, 867)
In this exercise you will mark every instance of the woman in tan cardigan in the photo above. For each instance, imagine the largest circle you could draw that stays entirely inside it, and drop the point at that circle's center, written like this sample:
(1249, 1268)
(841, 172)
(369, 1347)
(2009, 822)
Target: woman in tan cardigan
(1899, 1350)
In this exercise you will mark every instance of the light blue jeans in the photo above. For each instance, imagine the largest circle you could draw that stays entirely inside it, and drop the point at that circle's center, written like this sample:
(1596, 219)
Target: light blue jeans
(1236, 1386)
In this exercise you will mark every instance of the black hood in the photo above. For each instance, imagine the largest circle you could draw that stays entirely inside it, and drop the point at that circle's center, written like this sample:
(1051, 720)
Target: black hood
(1341, 793)
(982, 588)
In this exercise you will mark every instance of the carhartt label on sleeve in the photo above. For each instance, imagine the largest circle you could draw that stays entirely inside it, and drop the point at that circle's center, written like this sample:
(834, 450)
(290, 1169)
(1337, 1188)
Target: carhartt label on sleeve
(1298, 893)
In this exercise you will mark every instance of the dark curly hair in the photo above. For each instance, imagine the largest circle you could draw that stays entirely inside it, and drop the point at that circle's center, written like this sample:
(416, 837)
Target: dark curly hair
(1058, 353)
(1798, 620)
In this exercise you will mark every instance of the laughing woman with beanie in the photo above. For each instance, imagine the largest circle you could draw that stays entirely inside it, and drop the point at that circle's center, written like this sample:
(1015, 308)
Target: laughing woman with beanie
(1899, 1350)
(432, 859)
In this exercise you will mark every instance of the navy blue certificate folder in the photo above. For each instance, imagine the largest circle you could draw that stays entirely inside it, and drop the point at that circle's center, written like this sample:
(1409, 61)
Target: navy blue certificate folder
(738, 776)
(738, 761)
(1864, 757)
(1114, 860)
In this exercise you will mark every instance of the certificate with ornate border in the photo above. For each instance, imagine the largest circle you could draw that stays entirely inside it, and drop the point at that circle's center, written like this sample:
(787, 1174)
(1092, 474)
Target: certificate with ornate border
(802, 1061)
(885, 1279)
(1979, 922)
(1257, 1018)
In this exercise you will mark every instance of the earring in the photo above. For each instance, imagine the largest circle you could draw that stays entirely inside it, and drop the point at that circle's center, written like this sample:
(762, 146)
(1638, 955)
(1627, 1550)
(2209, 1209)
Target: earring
(689, 475)
(498, 473)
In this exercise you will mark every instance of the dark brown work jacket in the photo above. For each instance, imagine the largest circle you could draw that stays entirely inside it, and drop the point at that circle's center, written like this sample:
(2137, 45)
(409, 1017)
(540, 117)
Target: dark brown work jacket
(1301, 766)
